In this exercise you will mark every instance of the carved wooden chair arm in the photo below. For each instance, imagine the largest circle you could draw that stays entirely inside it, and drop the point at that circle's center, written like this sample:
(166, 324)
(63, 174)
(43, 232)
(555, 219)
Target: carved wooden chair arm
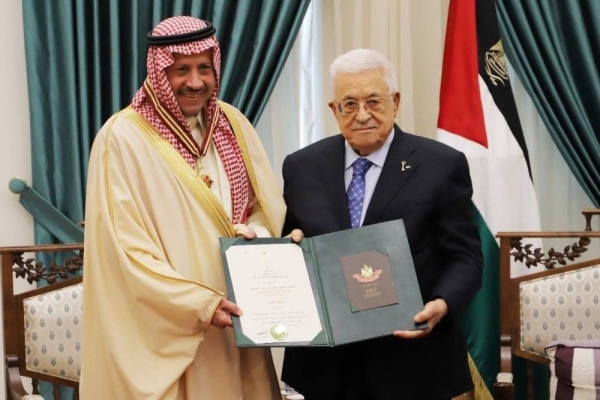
(13, 377)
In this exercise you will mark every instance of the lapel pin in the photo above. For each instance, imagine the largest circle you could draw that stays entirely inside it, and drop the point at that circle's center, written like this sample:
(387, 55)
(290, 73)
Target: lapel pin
(404, 166)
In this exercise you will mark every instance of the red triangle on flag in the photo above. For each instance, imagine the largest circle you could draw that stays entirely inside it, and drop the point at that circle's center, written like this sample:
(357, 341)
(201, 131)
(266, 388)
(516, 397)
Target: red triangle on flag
(461, 112)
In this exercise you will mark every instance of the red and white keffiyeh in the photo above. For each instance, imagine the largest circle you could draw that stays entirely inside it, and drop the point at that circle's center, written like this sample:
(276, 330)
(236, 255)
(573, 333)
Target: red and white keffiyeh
(156, 102)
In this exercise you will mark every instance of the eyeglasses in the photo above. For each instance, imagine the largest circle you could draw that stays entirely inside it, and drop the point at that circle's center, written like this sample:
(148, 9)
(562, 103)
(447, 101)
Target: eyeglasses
(348, 107)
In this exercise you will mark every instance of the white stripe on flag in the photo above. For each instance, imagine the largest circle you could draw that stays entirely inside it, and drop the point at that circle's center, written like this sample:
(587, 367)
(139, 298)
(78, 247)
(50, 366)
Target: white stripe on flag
(502, 188)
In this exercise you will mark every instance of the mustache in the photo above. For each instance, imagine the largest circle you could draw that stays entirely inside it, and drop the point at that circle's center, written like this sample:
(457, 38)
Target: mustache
(202, 90)
(371, 126)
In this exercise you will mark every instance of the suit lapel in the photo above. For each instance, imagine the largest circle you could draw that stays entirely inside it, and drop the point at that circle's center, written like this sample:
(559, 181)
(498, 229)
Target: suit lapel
(399, 166)
(331, 168)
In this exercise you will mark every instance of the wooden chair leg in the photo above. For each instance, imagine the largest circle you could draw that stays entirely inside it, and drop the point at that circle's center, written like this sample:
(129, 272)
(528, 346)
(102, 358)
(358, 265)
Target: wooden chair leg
(530, 388)
(504, 391)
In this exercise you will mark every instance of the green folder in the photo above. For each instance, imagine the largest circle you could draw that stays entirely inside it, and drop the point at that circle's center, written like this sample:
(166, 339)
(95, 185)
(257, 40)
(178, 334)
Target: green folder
(342, 319)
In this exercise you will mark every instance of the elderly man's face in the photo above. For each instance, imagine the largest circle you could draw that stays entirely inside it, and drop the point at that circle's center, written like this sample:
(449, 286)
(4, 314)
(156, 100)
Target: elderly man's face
(365, 129)
(193, 80)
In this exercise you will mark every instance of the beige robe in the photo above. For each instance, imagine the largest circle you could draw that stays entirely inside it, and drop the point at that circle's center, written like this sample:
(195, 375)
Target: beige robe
(153, 271)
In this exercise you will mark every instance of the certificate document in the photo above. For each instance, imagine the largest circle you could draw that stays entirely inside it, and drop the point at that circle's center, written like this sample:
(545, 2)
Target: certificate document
(327, 290)
(273, 289)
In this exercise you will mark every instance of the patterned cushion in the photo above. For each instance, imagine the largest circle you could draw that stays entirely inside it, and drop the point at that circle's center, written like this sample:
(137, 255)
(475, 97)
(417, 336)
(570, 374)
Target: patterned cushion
(560, 307)
(575, 369)
(53, 332)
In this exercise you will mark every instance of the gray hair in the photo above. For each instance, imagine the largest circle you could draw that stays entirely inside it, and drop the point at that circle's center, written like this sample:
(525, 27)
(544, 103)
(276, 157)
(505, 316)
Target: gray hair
(362, 60)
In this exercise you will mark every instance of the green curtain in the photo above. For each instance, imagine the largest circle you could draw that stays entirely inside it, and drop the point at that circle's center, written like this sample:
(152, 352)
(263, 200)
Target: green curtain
(87, 58)
(554, 46)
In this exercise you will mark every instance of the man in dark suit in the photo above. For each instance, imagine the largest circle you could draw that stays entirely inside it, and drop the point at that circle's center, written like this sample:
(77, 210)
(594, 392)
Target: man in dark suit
(425, 183)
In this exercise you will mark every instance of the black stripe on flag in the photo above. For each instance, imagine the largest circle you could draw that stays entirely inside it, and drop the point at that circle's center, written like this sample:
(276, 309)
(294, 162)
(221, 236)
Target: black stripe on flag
(492, 68)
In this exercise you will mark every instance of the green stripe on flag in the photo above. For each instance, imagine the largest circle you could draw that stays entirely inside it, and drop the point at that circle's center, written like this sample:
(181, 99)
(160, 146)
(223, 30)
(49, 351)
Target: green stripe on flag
(481, 322)
(481, 325)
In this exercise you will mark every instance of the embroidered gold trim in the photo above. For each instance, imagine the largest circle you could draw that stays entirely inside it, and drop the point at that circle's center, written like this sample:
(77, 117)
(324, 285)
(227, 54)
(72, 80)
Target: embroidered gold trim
(185, 173)
(230, 112)
(107, 167)
(481, 391)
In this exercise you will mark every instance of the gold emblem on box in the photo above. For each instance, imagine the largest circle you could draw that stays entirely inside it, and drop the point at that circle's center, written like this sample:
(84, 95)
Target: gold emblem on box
(367, 274)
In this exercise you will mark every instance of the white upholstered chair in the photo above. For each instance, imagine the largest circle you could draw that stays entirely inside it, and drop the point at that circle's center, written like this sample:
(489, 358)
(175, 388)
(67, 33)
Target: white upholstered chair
(551, 317)
(42, 327)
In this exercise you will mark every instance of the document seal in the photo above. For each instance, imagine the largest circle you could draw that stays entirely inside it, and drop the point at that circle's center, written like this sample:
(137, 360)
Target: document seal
(279, 332)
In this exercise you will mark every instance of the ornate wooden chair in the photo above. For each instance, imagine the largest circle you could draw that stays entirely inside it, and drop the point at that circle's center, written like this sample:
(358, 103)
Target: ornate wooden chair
(550, 307)
(42, 327)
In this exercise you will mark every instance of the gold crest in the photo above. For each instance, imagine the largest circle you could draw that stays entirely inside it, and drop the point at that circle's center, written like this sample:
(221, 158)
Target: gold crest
(367, 274)
(366, 271)
(495, 64)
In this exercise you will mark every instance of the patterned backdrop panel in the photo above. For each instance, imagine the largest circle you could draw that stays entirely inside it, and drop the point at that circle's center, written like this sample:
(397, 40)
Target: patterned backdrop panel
(53, 332)
(560, 307)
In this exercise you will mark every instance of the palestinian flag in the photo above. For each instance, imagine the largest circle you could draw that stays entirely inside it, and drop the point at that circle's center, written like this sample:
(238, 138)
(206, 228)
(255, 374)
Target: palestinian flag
(478, 116)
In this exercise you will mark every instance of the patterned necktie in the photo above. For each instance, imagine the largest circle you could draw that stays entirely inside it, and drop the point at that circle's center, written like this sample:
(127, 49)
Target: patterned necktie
(356, 190)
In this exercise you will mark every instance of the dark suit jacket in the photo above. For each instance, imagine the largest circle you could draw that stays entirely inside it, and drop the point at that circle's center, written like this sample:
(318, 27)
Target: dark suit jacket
(433, 197)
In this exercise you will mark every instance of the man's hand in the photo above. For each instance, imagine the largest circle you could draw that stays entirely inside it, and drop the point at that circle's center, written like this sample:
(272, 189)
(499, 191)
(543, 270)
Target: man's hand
(296, 235)
(433, 312)
(222, 316)
(241, 230)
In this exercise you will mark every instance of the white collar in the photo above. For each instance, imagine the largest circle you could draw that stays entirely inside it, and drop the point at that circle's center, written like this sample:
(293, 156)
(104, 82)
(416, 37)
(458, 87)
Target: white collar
(377, 157)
